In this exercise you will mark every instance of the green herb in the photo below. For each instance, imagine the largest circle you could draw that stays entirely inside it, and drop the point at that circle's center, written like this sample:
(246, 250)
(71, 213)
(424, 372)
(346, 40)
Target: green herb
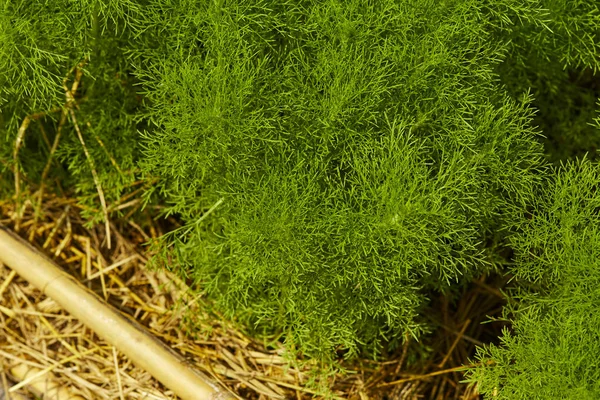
(332, 164)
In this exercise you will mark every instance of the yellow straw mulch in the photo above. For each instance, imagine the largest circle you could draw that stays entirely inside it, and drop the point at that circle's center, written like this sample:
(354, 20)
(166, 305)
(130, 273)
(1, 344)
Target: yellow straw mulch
(46, 352)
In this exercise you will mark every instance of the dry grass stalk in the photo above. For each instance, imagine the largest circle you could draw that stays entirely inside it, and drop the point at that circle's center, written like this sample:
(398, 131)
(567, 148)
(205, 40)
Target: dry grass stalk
(18, 142)
(95, 176)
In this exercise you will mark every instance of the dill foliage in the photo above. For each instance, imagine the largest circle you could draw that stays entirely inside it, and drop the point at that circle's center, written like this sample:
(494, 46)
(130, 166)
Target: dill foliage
(552, 348)
(332, 163)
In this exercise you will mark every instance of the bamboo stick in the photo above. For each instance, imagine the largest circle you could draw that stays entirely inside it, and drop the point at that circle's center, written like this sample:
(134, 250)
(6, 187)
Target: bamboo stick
(144, 350)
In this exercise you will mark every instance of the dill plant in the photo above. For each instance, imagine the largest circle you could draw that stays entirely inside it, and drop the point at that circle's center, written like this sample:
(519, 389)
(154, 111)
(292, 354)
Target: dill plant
(551, 350)
(332, 163)
(553, 347)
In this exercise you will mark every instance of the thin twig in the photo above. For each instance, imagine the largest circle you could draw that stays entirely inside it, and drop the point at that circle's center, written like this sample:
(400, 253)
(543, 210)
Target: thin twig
(44, 134)
(95, 176)
(456, 340)
(56, 227)
(118, 374)
(404, 352)
(110, 157)
(70, 102)
(61, 123)
(435, 373)
(16, 170)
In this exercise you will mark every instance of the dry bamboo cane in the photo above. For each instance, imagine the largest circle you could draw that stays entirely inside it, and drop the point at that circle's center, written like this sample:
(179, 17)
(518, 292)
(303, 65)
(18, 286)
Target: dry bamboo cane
(143, 349)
